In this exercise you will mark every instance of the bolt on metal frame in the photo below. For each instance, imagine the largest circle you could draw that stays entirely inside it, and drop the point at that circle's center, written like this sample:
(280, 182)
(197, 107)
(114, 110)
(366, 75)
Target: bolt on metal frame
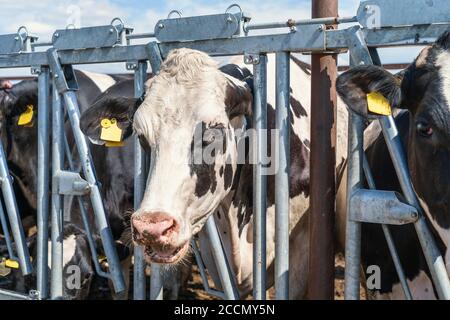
(312, 37)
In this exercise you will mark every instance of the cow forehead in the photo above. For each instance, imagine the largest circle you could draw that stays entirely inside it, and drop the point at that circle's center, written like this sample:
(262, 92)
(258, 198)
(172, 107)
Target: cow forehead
(170, 106)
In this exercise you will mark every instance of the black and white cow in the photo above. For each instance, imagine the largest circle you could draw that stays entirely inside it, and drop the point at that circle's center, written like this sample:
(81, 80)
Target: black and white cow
(193, 106)
(20, 143)
(422, 92)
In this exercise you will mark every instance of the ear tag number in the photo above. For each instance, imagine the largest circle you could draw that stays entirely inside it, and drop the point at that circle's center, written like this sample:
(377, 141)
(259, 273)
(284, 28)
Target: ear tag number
(111, 133)
(378, 104)
(26, 118)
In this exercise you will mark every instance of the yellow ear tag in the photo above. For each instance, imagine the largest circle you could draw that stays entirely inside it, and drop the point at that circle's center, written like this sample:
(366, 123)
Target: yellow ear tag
(378, 104)
(110, 144)
(12, 264)
(26, 118)
(110, 131)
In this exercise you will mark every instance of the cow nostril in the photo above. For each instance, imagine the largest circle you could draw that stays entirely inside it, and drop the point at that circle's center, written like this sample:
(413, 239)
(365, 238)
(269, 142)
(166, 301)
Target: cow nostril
(159, 227)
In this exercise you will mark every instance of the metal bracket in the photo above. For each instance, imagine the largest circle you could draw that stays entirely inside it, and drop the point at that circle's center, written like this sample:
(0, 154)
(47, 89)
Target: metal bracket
(131, 65)
(64, 76)
(251, 58)
(381, 207)
(16, 42)
(90, 37)
(216, 26)
(375, 14)
(70, 184)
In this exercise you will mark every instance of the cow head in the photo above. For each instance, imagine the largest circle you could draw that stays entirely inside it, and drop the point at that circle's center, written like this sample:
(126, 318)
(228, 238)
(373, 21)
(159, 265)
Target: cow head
(188, 120)
(20, 141)
(423, 89)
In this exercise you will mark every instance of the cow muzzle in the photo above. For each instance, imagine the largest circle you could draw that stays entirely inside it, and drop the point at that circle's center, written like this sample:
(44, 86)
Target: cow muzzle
(159, 234)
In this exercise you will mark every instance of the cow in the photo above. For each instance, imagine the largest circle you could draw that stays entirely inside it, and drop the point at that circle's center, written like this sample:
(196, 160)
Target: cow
(20, 143)
(194, 107)
(116, 178)
(420, 95)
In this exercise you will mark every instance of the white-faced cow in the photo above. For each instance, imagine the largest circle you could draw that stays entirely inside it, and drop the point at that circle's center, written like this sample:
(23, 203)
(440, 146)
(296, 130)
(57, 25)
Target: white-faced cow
(191, 97)
(422, 92)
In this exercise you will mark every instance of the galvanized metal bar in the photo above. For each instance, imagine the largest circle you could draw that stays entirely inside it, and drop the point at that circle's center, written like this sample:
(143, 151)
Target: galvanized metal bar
(323, 164)
(260, 178)
(300, 22)
(57, 234)
(9, 295)
(282, 176)
(5, 229)
(353, 228)
(387, 234)
(115, 270)
(15, 223)
(84, 215)
(432, 254)
(43, 175)
(139, 291)
(220, 259)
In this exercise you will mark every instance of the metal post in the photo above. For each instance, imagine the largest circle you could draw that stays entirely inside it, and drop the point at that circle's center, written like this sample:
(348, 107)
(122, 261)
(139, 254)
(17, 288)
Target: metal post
(43, 182)
(260, 178)
(139, 188)
(388, 235)
(57, 208)
(14, 219)
(70, 101)
(323, 164)
(220, 259)
(282, 177)
(156, 281)
(353, 228)
(430, 250)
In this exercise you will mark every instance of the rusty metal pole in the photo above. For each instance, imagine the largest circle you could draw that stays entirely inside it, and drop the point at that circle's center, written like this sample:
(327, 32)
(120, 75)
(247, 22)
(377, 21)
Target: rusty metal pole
(323, 162)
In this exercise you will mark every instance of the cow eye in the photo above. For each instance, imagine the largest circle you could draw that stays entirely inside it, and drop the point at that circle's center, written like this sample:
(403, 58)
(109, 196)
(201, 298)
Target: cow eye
(424, 129)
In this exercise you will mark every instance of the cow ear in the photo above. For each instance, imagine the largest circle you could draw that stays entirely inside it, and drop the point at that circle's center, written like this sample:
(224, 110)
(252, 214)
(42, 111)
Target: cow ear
(354, 85)
(238, 98)
(120, 108)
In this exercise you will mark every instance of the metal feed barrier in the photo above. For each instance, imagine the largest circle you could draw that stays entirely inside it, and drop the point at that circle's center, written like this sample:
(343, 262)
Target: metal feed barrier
(227, 34)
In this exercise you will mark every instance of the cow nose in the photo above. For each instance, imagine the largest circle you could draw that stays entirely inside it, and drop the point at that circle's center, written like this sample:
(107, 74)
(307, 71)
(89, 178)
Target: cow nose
(154, 227)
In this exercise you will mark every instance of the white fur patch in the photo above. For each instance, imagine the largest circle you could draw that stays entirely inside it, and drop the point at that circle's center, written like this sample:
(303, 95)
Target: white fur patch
(102, 81)
(69, 247)
(443, 61)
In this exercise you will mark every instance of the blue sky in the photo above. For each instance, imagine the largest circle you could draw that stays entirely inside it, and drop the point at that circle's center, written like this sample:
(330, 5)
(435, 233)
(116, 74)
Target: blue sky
(43, 17)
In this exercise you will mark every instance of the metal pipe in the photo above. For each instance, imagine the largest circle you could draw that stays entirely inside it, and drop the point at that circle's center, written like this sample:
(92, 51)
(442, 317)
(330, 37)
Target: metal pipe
(102, 223)
(432, 255)
(388, 235)
(156, 282)
(84, 215)
(15, 223)
(43, 181)
(57, 227)
(260, 179)
(322, 165)
(220, 259)
(139, 292)
(282, 177)
(353, 228)
(140, 35)
(202, 270)
(302, 22)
